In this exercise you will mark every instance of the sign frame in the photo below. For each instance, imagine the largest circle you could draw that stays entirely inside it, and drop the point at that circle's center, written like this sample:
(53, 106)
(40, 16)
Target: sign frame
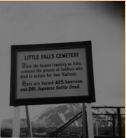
(52, 100)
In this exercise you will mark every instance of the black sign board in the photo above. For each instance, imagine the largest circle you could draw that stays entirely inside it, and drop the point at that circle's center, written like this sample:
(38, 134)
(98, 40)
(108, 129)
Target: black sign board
(52, 73)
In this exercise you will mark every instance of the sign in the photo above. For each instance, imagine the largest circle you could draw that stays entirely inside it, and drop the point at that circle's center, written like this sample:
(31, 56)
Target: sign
(51, 73)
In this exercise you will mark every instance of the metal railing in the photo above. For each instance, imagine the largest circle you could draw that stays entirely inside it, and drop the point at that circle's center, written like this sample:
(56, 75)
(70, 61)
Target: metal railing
(113, 119)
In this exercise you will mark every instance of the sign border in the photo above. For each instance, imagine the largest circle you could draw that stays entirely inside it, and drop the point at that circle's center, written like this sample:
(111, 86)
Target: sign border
(52, 100)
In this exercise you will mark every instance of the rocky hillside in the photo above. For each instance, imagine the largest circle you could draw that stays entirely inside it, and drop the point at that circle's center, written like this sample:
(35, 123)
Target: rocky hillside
(60, 114)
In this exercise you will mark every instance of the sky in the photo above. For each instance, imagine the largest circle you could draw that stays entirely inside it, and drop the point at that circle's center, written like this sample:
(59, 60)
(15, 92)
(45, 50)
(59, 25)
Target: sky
(51, 22)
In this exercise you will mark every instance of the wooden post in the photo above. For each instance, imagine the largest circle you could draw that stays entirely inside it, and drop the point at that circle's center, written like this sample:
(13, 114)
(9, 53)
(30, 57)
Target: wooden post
(90, 121)
(16, 122)
(84, 121)
(28, 122)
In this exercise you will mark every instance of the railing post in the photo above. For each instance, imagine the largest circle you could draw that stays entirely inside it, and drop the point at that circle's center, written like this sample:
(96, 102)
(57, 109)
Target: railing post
(96, 128)
(119, 122)
(113, 121)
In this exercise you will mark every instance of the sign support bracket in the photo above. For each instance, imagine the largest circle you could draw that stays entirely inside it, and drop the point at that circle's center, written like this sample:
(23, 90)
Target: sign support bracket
(16, 122)
(28, 122)
(90, 120)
